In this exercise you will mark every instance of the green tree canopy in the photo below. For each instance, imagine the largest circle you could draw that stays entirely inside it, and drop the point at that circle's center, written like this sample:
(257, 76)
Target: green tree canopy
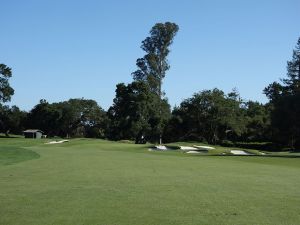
(209, 116)
(285, 100)
(72, 118)
(153, 66)
(134, 113)
(6, 91)
(257, 118)
(12, 120)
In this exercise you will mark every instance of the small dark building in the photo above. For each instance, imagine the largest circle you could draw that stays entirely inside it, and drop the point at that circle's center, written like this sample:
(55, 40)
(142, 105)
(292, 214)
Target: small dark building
(33, 133)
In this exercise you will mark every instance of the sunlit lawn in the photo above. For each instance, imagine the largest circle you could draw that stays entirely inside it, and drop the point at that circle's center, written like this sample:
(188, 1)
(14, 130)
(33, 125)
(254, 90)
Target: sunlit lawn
(91, 182)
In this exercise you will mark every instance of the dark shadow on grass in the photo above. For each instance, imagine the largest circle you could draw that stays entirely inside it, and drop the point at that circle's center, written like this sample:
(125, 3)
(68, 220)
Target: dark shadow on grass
(3, 136)
(12, 155)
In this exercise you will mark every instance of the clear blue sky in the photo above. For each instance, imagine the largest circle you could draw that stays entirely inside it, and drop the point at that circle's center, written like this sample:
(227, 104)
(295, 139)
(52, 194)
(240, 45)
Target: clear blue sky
(61, 49)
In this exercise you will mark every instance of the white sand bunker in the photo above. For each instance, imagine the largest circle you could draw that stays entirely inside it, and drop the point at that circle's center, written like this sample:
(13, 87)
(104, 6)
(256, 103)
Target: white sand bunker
(161, 147)
(203, 147)
(187, 148)
(239, 152)
(194, 152)
(158, 148)
(57, 142)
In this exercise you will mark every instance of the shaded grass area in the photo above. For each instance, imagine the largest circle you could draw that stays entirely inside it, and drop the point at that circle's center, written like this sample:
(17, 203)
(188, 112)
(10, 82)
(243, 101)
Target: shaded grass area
(11, 155)
(88, 181)
(13, 150)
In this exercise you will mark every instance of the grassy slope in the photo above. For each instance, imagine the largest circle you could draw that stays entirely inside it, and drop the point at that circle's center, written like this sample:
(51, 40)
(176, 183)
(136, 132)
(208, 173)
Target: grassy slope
(99, 182)
(11, 151)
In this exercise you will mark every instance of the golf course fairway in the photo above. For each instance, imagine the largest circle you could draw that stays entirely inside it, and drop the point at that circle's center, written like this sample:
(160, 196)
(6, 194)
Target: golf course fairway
(98, 182)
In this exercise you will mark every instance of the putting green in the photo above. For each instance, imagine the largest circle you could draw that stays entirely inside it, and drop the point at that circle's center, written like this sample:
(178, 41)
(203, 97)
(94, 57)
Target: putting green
(96, 182)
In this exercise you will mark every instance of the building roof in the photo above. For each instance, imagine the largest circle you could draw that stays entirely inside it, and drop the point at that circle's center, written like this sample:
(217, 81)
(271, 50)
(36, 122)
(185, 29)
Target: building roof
(32, 131)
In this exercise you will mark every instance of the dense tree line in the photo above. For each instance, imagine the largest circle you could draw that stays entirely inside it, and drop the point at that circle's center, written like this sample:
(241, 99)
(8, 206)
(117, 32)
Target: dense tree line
(141, 112)
(214, 117)
(12, 120)
(72, 118)
(210, 116)
(285, 104)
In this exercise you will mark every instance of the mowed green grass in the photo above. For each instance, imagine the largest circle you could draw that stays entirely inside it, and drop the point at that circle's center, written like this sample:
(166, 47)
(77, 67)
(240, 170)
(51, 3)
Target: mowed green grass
(96, 182)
